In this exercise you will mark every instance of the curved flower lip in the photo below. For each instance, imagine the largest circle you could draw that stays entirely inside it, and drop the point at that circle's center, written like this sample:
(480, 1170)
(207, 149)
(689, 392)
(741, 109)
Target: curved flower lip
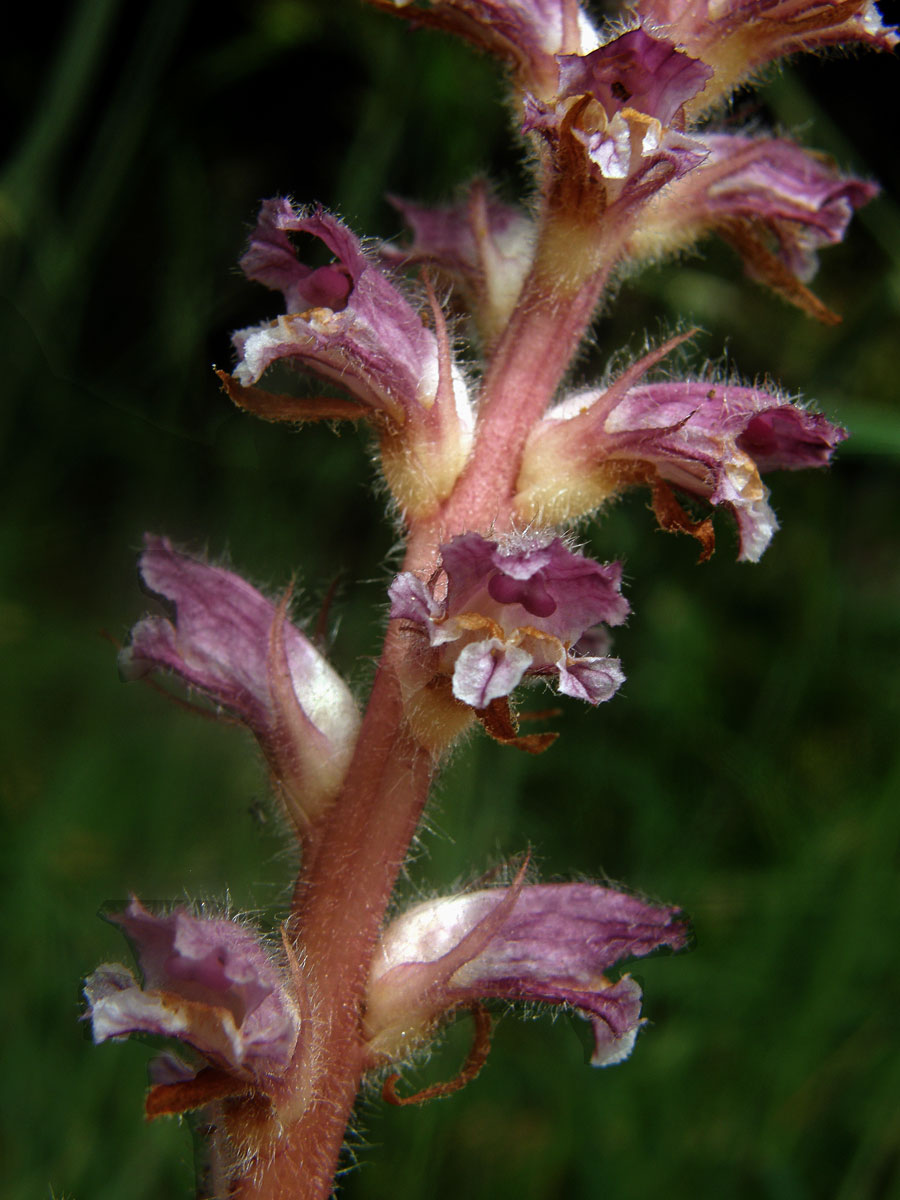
(550, 943)
(347, 322)
(513, 609)
(207, 982)
(231, 643)
(709, 439)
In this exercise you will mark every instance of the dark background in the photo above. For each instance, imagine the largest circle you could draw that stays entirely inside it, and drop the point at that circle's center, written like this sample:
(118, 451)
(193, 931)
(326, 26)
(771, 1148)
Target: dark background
(749, 770)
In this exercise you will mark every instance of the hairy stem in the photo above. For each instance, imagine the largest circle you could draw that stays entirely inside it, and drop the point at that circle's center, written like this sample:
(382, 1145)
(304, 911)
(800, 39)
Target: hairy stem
(352, 866)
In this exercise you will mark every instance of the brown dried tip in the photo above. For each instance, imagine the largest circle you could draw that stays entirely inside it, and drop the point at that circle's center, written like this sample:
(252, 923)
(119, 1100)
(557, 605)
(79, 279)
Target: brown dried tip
(296, 409)
(673, 519)
(169, 1099)
(477, 1057)
(769, 269)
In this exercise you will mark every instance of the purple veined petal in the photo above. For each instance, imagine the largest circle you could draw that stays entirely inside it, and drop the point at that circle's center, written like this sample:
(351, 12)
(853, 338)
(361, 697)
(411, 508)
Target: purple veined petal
(794, 200)
(271, 259)
(703, 452)
(411, 600)
(207, 982)
(546, 943)
(221, 642)
(621, 108)
(798, 195)
(790, 438)
(594, 680)
(512, 608)
(488, 670)
(168, 1068)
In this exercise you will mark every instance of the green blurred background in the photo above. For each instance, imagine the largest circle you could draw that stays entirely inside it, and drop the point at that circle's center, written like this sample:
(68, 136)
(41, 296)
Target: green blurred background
(749, 771)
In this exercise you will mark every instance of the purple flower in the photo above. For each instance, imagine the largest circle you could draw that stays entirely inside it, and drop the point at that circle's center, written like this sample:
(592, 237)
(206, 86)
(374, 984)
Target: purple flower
(513, 608)
(350, 324)
(704, 438)
(208, 983)
(776, 202)
(238, 649)
(549, 943)
(485, 247)
(737, 37)
(346, 322)
(617, 119)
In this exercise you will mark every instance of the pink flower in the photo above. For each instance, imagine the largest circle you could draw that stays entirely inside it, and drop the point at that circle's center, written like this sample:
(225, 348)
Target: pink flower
(549, 943)
(350, 325)
(346, 322)
(208, 983)
(238, 649)
(704, 438)
(617, 118)
(515, 608)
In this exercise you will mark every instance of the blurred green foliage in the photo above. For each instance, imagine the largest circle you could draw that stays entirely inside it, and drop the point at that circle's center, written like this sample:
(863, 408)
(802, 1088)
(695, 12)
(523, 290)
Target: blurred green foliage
(749, 770)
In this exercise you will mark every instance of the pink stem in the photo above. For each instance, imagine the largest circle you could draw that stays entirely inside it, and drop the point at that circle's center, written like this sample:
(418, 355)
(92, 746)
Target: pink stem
(338, 912)
(531, 358)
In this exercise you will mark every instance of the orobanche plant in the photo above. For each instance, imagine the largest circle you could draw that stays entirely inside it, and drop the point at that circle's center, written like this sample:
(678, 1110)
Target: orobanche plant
(491, 461)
